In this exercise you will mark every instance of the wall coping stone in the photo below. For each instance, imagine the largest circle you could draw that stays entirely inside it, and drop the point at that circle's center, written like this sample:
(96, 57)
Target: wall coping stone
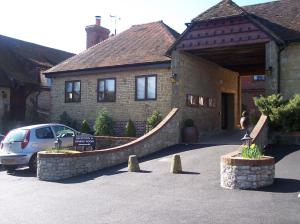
(141, 139)
(234, 159)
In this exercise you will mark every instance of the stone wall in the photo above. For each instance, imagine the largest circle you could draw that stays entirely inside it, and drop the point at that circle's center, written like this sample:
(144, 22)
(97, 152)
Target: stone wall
(53, 167)
(203, 78)
(125, 107)
(290, 70)
(105, 142)
(4, 100)
(238, 173)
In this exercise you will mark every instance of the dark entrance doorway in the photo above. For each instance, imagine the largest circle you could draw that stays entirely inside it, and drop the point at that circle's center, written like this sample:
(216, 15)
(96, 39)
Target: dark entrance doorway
(227, 111)
(18, 103)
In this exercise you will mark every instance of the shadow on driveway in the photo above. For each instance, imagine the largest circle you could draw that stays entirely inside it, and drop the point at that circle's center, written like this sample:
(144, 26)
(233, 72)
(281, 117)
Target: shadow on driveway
(282, 185)
(281, 151)
(118, 169)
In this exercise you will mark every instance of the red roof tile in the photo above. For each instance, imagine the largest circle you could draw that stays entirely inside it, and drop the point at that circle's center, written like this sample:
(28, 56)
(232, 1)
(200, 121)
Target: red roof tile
(145, 43)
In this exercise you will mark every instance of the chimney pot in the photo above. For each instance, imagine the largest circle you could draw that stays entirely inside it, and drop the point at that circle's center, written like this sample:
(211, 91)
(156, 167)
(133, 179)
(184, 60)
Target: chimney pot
(98, 20)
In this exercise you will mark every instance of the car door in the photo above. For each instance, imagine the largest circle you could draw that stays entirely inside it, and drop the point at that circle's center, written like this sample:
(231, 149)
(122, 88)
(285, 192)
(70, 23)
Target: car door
(44, 138)
(65, 134)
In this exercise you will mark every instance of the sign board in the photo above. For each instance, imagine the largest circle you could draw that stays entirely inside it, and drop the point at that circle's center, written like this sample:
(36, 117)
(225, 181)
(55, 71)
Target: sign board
(84, 140)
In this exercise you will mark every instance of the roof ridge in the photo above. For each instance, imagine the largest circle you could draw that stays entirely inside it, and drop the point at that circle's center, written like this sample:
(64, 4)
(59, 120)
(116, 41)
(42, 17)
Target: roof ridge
(263, 3)
(31, 43)
(228, 3)
(142, 24)
(170, 30)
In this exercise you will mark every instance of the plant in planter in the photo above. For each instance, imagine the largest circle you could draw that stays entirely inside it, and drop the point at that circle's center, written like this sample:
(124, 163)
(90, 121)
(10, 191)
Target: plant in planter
(153, 121)
(252, 152)
(104, 124)
(85, 128)
(190, 132)
(130, 129)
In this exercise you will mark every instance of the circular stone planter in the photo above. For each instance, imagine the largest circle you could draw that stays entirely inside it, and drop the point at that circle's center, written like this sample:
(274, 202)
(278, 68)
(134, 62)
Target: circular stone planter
(240, 173)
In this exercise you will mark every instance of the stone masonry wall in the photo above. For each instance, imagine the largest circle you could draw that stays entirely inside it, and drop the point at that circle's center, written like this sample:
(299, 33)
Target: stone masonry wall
(124, 108)
(53, 167)
(246, 177)
(199, 77)
(290, 70)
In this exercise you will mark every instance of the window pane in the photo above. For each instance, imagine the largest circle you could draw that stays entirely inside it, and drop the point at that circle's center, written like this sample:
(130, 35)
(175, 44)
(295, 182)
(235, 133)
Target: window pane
(69, 86)
(110, 90)
(101, 90)
(101, 85)
(77, 87)
(141, 88)
(151, 90)
(44, 133)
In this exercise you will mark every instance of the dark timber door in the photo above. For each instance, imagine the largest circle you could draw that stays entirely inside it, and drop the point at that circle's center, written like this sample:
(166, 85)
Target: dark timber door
(227, 111)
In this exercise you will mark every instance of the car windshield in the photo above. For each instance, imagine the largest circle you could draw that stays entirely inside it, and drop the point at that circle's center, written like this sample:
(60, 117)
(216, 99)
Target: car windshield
(15, 135)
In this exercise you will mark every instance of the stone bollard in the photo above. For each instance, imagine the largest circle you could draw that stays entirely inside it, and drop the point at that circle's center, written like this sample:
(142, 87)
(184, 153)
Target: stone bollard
(133, 164)
(176, 164)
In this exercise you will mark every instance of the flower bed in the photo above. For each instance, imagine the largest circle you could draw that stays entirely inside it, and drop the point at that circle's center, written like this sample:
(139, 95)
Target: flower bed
(241, 173)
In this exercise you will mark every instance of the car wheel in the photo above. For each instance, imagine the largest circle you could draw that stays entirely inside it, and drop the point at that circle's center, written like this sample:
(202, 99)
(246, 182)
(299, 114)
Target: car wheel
(10, 168)
(33, 163)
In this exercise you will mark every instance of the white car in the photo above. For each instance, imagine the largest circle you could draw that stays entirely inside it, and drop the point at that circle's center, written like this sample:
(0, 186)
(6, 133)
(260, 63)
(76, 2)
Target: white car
(20, 146)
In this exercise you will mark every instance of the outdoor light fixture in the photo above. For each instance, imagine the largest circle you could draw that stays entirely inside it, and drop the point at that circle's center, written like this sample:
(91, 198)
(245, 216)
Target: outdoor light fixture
(173, 77)
(269, 71)
(247, 139)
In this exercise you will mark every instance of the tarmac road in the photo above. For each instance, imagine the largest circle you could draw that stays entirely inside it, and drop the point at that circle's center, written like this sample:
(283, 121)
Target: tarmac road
(155, 195)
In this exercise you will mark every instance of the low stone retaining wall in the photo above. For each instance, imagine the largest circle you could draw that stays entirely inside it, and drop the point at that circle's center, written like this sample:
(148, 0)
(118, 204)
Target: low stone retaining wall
(53, 167)
(292, 138)
(239, 173)
(105, 142)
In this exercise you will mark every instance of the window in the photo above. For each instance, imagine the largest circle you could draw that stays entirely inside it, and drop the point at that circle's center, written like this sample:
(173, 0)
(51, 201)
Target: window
(259, 78)
(145, 87)
(106, 90)
(72, 91)
(63, 132)
(44, 133)
(192, 101)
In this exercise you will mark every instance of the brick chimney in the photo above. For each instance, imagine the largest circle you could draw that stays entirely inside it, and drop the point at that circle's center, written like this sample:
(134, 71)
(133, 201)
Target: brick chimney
(96, 33)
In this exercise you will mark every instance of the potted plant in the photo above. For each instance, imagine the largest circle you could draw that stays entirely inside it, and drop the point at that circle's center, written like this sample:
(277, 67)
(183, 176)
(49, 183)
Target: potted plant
(244, 121)
(190, 132)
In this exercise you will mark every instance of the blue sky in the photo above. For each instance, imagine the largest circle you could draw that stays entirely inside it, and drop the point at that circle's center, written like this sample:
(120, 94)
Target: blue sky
(60, 23)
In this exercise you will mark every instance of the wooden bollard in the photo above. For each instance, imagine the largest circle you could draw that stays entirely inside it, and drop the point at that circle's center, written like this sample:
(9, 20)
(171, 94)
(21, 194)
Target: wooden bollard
(176, 164)
(133, 164)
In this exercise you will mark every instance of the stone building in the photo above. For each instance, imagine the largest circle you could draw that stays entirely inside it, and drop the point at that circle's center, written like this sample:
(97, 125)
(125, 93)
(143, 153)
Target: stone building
(22, 86)
(131, 76)
(128, 75)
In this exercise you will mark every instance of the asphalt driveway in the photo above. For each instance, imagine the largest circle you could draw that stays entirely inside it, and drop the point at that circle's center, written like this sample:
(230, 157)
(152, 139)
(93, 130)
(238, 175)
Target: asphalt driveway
(155, 195)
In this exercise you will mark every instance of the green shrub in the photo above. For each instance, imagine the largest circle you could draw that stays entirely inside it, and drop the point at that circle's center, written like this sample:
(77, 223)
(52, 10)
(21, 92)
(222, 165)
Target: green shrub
(290, 114)
(283, 115)
(104, 124)
(271, 107)
(65, 119)
(153, 121)
(189, 123)
(130, 130)
(254, 152)
(85, 128)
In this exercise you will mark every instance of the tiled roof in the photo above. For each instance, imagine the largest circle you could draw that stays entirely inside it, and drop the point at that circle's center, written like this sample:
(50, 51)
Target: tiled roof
(281, 17)
(19, 60)
(225, 8)
(145, 43)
